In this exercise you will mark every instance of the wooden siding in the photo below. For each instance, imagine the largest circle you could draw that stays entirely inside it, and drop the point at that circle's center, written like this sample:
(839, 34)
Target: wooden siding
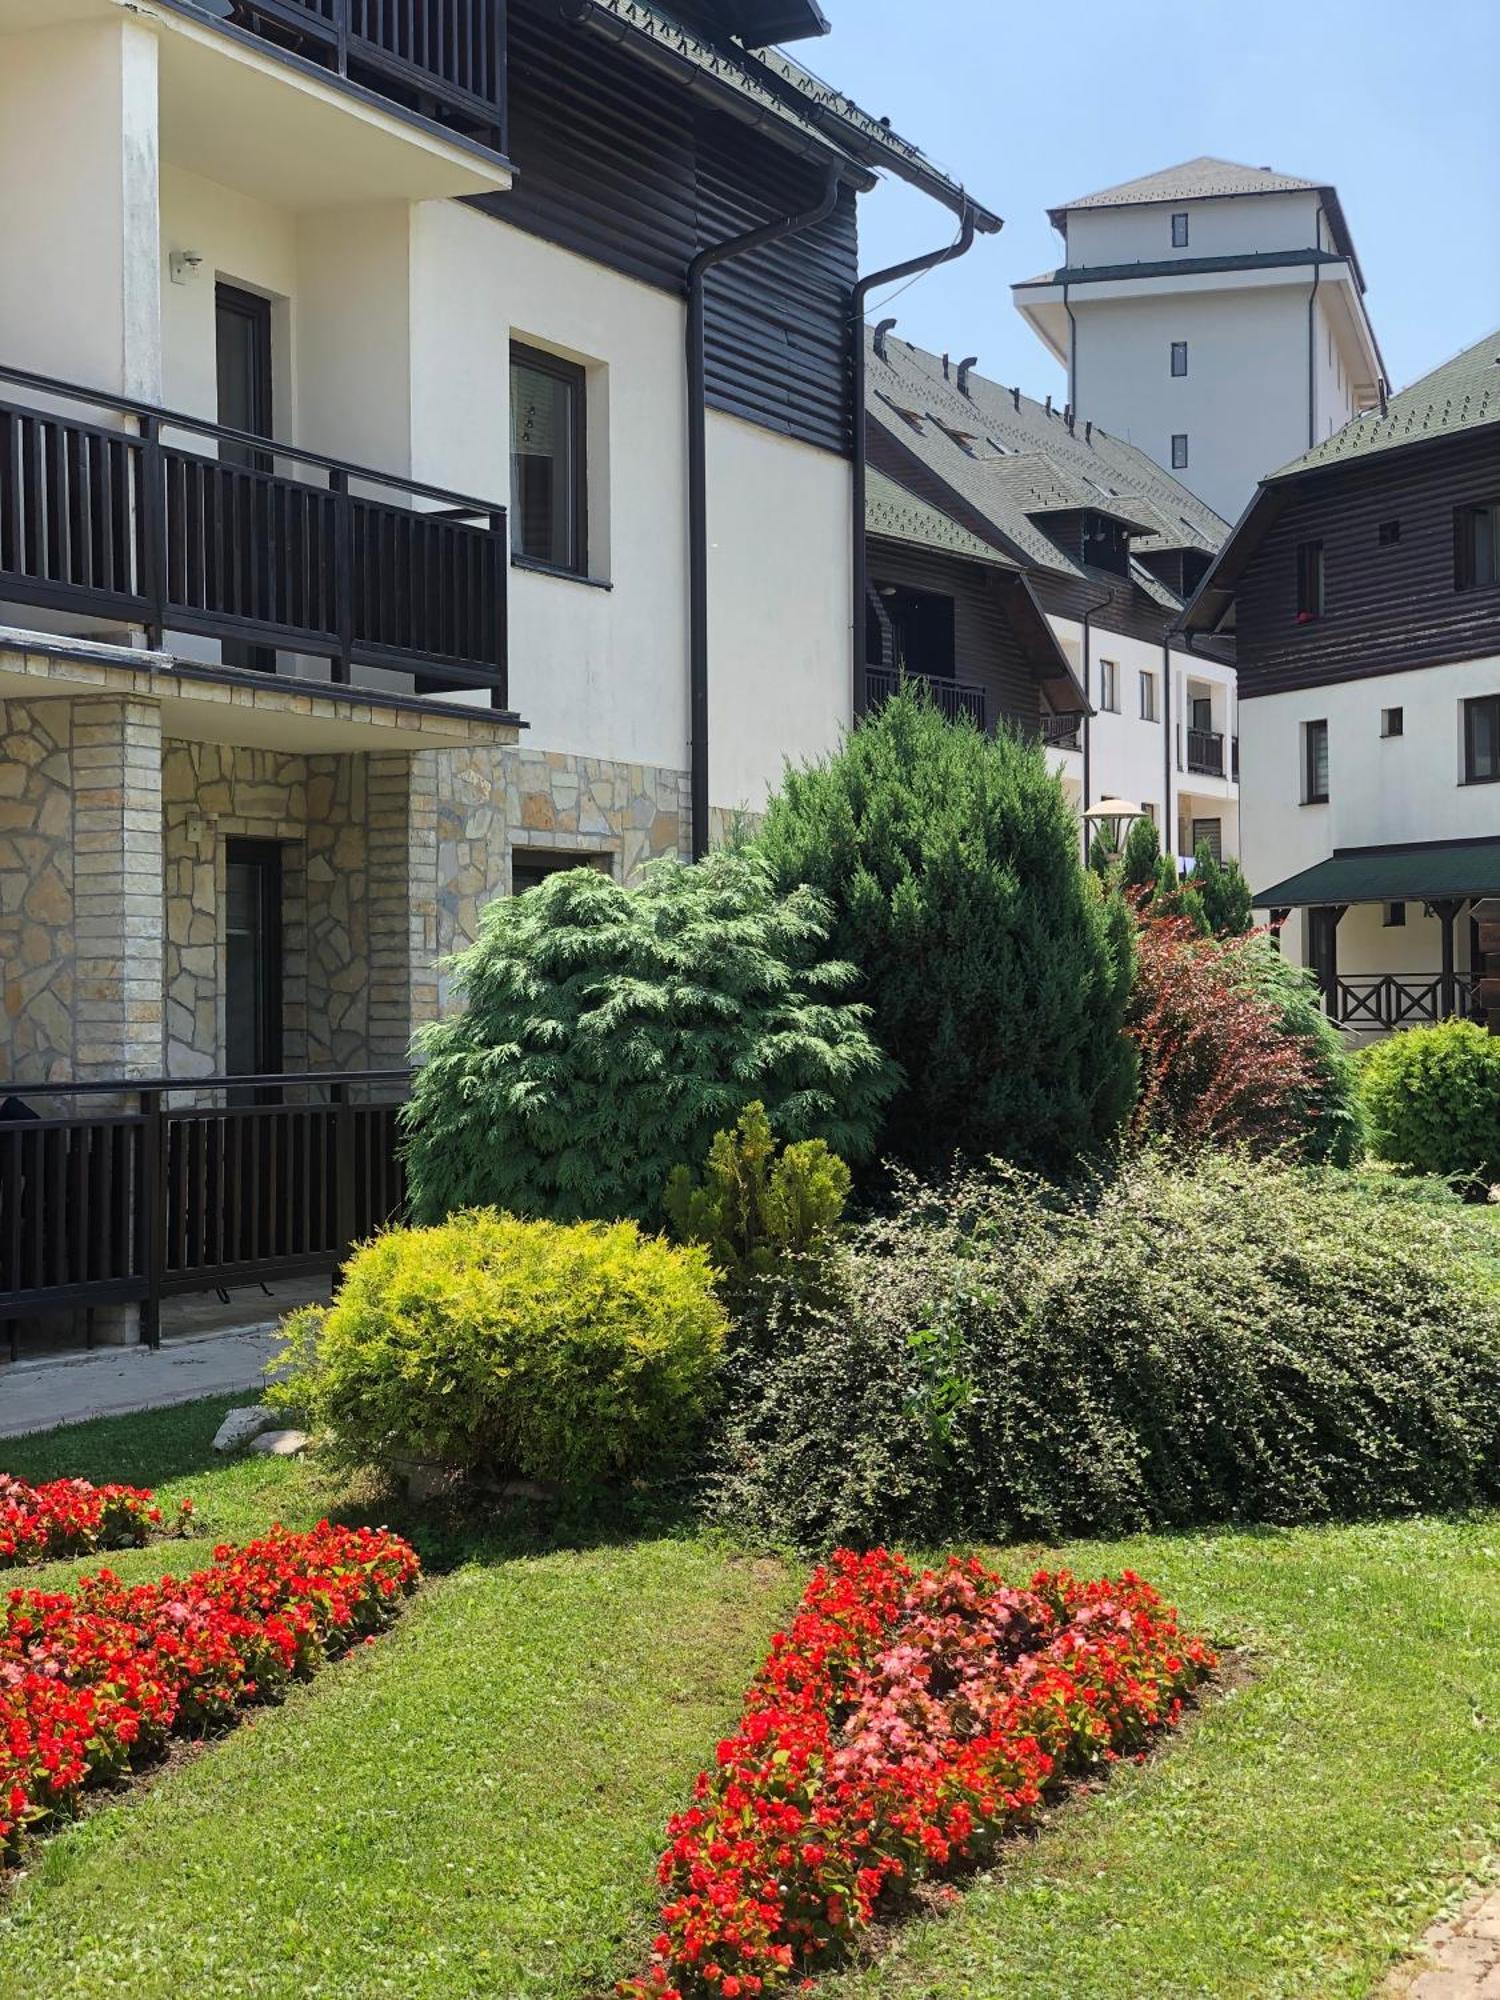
(1386, 609)
(987, 651)
(618, 164)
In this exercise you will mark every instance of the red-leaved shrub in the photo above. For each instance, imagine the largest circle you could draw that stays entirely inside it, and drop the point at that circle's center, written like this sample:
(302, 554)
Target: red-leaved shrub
(69, 1517)
(1217, 1066)
(900, 1728)
(94, 1681)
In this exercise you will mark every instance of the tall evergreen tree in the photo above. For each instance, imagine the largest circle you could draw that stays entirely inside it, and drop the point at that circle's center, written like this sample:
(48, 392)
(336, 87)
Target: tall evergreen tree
(1225, 892)
(997, 970)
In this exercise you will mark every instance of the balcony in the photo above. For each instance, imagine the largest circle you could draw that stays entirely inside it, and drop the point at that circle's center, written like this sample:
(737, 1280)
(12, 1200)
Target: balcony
(120, 512)
(1062, 732)
(954, 698)
(1382, 1002)
(1205, 752)
(442, 59)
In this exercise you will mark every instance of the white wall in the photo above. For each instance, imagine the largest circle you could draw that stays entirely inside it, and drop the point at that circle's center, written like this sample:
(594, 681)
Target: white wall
(242, 242)
(1230, 226)
(78, 221)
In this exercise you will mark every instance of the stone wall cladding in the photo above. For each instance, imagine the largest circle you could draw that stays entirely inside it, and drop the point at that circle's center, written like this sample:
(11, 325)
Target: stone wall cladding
(38, 976)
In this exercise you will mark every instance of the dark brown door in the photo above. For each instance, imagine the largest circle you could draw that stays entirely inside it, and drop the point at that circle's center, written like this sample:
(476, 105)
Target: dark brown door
(245, 374)
(1323, 954)
(253, 969)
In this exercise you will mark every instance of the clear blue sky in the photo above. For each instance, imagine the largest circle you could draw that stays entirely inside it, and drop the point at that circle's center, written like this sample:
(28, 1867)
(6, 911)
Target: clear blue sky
(1396, 102)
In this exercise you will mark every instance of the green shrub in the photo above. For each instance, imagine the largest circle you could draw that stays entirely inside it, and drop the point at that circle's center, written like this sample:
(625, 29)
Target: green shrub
(1224, 892)
(1433, 1099)
(756, 1210)
(996, 969)
(1232, 1342)
(609, 1033)
(568, 1354)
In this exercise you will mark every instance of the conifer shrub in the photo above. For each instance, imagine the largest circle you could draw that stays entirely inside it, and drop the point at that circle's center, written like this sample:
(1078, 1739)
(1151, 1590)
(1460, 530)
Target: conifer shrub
(572, 1354)
(1433, 1100)
(608, 1033)
(1224, 891)
(1228, 1341)
(996, 969)
(758, 1209)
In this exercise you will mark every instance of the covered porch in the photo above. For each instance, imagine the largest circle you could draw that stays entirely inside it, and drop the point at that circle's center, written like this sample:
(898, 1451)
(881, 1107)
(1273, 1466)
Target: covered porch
(1397, 936)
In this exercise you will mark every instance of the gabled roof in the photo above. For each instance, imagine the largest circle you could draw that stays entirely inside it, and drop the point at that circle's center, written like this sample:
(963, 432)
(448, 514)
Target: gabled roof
(1461, 396)
(895, 514)
(1020, 462)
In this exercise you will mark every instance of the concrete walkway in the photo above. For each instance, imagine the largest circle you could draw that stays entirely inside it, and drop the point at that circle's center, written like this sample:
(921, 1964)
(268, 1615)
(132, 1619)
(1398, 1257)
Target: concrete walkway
(1464, 1956)
(37, 1395)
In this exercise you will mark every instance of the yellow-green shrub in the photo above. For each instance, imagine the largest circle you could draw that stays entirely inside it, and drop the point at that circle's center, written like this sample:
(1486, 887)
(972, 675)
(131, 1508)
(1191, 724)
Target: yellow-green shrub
(565, 1353)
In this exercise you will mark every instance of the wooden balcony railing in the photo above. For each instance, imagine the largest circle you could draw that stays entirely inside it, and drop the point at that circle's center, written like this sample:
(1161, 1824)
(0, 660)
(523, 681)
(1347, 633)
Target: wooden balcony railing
(954, 698)
(1062, 732)
(1382, 1002)
(440, 58)
(184, 526)
(1205, 752)
(251, 1179)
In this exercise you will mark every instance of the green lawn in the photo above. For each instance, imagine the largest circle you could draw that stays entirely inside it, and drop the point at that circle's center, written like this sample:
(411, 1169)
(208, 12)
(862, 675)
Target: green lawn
(472, 1806)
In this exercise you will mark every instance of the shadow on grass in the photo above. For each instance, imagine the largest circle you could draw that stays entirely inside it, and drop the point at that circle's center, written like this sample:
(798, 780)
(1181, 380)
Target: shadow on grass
(142, 1448)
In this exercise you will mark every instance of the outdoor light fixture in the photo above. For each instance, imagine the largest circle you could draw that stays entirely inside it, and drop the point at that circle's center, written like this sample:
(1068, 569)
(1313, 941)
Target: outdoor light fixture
(1114, 818)
(184, 266)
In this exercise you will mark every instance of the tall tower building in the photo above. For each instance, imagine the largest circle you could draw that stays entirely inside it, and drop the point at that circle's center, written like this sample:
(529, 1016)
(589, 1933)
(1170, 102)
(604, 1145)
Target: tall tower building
(1213, 315)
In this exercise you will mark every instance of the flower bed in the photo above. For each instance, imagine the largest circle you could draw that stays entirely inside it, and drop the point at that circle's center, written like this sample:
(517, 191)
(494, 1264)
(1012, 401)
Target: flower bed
(96, 1680)
(69, 1517)
(898, 1730)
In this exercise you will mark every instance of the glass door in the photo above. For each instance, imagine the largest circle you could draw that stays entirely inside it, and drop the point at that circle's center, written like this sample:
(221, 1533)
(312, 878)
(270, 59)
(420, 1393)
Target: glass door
(252, 959)
(243, 333)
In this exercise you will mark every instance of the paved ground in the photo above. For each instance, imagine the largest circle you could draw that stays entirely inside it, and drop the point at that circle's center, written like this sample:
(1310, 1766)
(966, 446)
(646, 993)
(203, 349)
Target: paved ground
(1465, 1955)
(34, 1396)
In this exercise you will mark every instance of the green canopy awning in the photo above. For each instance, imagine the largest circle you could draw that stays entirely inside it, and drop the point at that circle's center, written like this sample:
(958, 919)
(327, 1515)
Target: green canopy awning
(1428, 872)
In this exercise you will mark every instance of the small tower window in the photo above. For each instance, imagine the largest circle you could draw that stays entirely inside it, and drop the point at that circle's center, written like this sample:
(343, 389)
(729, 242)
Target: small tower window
(1180, 231)
(1393, 722)
(1179, 357)
(1179, 451)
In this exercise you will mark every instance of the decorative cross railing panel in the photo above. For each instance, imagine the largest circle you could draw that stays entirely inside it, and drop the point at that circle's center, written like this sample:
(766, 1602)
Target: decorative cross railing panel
(1382, 1002)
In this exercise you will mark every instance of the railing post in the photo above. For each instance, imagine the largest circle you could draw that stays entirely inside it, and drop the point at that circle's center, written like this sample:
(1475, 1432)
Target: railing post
(346, 1222)
(154, 505)
(500, 643)
(343, 550)
(341, 24)
(153, 1212)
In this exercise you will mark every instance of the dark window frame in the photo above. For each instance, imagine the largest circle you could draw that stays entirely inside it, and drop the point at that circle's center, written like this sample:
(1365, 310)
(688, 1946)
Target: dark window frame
(1149, 705)
(1109, 685)
(1389, 534)
(1311, 795)
(574, 377)
(268, 860)
(1179, 458)
(1311, 582)
(1393, 917)
(545, 862)
(1466, 543)
(1392, 723)
(1179, 353)
(1472, 708)
(1180, 229)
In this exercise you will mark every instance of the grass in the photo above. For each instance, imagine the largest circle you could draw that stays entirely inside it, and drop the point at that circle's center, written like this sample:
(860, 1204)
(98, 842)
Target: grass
(472, 1806)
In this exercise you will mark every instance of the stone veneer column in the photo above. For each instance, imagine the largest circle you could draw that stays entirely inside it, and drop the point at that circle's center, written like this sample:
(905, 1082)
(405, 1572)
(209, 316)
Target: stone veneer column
(118, 895)
(400, 889)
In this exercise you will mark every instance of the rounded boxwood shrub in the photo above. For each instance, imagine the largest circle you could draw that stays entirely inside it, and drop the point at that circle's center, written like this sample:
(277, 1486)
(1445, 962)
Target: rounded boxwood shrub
(609, 1033)
(1432, 1096)
(571, 1354)
(1234, 1341)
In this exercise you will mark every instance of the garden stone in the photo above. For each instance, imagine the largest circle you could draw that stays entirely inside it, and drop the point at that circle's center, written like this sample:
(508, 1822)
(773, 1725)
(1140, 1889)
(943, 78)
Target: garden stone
(240, 1426)
(279, 1444)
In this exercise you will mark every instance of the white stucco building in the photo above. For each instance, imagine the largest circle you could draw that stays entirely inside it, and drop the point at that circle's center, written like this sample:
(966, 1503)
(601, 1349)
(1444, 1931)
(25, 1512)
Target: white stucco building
(1213, 315)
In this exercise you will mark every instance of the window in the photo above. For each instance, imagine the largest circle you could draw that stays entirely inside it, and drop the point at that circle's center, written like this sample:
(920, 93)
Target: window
(1180, 230)
(1179, 451)
(253, 959)
(1309, 581)
(548, 462)
(1148, 697)
(1394, 918)
(1148, 807)
(1482, 740)
(1390, 534)
(1315, 763)
(1109, 686)
(1476, 546)
(1179, 357)
(1210, 831)
(531, 866)
(1393, 722)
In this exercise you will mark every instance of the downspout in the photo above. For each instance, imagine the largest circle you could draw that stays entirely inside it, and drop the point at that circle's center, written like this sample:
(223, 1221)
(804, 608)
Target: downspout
(1088, 697)
(1168, 815)
(1073, 399)
(697, 369)
(1312, 336)
(912, 268)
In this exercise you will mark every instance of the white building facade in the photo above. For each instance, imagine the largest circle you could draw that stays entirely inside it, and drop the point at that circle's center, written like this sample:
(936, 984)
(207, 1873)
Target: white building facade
(1212, 315)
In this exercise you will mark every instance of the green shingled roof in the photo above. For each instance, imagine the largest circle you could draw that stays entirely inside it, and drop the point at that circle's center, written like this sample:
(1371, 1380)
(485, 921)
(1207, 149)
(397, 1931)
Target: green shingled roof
(896, 514)
(1429, 872)
(1462, 395)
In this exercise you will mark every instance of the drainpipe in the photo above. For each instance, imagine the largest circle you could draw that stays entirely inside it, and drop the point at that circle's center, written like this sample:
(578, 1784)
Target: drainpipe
(912, 268)
(1072, 351)
(1168, 815)
(1312, 337)
(697, 275)
(1088, 702)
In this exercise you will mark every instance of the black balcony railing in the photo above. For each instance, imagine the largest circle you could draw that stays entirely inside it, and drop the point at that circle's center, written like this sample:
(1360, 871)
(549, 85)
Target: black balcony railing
(1205, 752)
(192, 1187)
(1382, 1002)
(1062, 732)
(954, 698)
(441, 58)
(184, 526)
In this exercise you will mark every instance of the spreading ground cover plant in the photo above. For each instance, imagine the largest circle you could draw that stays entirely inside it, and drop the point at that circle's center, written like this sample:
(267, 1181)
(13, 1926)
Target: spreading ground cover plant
(67, 1517)
(1433, 1098)
(96, 1680)
(996, 968)
(572, 1353)
(900, 1728)
(1222, 1340)
(608, 1033)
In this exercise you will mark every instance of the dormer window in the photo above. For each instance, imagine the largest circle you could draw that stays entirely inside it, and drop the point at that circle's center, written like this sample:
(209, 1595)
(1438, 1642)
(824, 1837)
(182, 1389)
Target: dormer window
(1180, 230)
